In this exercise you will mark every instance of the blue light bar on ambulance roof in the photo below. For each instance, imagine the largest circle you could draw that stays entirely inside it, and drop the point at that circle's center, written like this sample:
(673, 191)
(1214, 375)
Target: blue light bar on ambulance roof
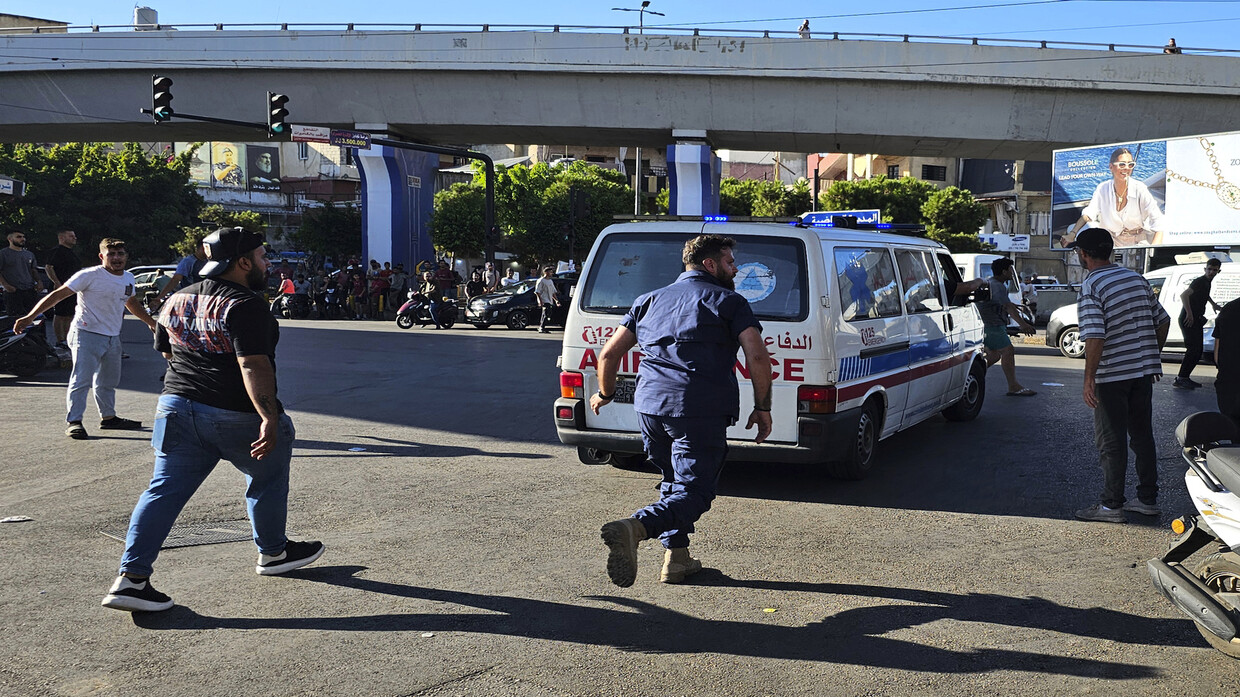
(715, 219)
(883, 226)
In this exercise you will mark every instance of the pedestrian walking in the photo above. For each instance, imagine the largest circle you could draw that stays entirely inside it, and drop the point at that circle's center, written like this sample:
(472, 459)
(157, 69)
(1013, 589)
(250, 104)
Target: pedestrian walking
(803, 30)
(687, 396)
(219, 402)
(995, 313)
(1124, 328)
(103, 292)
(61, 264)
(544, 292)
(1192, 321)
(188, 272)
(19, 276)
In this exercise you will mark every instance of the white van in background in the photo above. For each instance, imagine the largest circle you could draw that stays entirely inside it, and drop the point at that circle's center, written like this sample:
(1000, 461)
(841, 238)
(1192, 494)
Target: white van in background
(973, 266)
(862, 339)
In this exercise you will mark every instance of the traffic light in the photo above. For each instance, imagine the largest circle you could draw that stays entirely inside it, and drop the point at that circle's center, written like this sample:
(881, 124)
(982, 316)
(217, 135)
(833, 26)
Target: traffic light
(161, 98)
(276, 114)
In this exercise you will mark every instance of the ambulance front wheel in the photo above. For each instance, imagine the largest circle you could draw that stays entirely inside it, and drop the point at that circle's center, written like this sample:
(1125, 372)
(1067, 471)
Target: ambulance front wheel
(857, 462)
(970, 404)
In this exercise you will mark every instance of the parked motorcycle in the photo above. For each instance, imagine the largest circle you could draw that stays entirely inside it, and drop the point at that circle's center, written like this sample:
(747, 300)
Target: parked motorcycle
(1210, 593)
(25, 354)
(417, 310)
(292, 307)
(330, 306)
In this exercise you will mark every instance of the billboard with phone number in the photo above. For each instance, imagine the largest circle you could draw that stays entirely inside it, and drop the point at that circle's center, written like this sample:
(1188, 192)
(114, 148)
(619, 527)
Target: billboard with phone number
(1179, 191)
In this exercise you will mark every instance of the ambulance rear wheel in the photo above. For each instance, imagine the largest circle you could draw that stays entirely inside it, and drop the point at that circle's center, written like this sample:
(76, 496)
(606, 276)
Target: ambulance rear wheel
(631, 462)
(860, 458)
(970, 405)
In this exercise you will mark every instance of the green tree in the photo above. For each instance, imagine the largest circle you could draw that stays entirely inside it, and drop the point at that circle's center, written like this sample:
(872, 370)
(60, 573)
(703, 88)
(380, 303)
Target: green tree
(736, 196)
(331, 230)
(101, 191)
(458, 223)
(532, 208)
(212, 218)
(900, 200)
(953, 217)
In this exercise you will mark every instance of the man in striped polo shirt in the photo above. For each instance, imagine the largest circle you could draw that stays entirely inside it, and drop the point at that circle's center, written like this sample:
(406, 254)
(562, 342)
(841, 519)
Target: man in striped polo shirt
(1124, 328)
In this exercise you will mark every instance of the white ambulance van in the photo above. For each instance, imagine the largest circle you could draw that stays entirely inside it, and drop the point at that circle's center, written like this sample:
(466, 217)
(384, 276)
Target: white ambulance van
(863, 339)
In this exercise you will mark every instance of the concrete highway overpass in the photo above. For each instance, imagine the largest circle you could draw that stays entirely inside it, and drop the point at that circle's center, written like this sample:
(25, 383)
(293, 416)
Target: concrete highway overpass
(751, 92)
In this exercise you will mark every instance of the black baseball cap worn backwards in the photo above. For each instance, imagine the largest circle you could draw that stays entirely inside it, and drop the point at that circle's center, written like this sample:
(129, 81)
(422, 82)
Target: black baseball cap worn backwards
(1095, 240)
(226, 244)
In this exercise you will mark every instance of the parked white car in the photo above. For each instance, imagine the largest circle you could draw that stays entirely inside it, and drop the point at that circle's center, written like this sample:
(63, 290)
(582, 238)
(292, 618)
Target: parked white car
(1168, 283)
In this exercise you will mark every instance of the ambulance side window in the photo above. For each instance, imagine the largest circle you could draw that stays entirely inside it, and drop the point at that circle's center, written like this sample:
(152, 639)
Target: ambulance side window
(867, 283)
(920, 282)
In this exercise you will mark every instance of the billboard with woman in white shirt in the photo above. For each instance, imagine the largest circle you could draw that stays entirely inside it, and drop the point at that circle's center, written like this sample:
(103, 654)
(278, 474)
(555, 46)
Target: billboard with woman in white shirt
(1180, 191)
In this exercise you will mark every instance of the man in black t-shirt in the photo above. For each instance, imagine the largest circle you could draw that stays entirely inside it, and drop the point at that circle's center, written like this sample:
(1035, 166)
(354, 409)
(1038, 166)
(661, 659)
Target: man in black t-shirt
(1193, 321)
(219, 402)
(1227, 358)
(60, 266)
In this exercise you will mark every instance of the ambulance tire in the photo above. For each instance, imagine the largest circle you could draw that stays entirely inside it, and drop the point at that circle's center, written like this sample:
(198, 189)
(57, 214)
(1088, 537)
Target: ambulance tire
(857, 463)
(631, 462)
(970, 405)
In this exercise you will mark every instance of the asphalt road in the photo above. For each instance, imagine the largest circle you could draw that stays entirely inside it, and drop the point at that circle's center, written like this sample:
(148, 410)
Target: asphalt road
(463, 554)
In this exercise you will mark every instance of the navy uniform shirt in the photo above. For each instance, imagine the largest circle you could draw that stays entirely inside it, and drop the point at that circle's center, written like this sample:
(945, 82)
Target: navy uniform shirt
(688, 334)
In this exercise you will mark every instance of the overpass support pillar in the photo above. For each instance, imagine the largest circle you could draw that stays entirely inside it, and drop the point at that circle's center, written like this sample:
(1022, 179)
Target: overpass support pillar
(693, 175)
(398, 190)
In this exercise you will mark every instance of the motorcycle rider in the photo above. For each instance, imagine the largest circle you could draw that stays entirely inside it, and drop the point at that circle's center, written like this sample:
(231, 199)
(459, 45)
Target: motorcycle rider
(432, 295)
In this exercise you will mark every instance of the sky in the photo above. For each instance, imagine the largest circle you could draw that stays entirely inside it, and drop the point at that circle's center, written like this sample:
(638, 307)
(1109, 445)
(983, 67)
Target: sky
(1206, 24)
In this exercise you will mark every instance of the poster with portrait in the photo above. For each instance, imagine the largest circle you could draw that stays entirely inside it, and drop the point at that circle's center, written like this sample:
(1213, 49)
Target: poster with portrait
(199, 162)
(228, 166)
(1120, 187)
(263, 167)
(1180, 191)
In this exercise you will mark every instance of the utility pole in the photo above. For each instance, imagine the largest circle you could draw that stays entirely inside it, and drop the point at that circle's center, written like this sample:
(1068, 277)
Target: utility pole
(641, 28)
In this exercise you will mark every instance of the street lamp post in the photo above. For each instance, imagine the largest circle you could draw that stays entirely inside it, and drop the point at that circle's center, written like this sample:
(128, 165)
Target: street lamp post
(641, 14)
(637, 164)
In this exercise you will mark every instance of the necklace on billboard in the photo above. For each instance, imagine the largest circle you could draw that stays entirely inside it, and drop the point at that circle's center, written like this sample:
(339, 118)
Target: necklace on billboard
(1227, 192)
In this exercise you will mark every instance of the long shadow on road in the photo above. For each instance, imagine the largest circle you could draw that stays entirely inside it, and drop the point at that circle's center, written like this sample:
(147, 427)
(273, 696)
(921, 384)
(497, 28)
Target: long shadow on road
(850, 637)
(390, 447)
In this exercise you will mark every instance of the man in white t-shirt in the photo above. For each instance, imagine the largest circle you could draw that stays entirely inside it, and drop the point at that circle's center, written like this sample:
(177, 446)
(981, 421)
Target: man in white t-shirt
(103, 293)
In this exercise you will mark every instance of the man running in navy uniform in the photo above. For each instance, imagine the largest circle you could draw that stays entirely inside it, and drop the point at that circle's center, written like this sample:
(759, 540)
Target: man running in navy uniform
(687, 397)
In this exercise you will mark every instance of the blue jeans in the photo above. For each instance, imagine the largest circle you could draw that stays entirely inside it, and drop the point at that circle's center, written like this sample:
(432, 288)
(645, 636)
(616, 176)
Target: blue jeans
(97, 365)
(190, 438)
(690, 452)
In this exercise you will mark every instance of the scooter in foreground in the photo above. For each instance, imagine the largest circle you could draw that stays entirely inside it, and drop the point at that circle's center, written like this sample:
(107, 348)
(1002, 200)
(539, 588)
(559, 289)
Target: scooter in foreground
(1210, 593)
(417, 310)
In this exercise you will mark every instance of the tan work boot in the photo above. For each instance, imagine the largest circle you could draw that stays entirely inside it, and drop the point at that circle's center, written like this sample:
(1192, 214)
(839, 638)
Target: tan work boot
(677, 564)
(621, 538)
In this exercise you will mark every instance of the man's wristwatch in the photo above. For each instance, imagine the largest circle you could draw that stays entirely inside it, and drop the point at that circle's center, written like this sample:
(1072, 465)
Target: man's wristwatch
(607, 397)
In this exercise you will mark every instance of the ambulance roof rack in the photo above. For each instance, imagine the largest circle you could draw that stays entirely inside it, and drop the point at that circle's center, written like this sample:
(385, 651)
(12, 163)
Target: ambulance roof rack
(705, 218)
(843, 222)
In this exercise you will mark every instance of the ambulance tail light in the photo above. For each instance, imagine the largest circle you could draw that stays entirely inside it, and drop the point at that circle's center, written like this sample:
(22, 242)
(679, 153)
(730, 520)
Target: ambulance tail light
(816, 400)
(572, 385)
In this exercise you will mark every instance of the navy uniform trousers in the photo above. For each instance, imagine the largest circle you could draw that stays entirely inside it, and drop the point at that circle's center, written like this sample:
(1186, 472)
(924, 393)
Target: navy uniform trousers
(689, 451)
